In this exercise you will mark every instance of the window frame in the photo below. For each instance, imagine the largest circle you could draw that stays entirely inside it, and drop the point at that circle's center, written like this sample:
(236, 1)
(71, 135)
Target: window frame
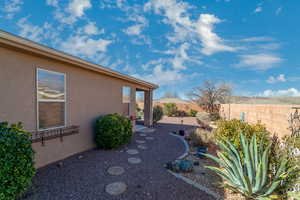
(125, 86)
(50, 100)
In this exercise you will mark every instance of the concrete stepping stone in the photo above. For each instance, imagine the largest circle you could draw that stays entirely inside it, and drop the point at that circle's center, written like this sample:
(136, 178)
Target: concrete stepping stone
(140, 141)
(148, 130)
(132, 151)
(134, 160)
(115, 170)
(116, 188)
(149, 138)
(142, 146)
(143, 135)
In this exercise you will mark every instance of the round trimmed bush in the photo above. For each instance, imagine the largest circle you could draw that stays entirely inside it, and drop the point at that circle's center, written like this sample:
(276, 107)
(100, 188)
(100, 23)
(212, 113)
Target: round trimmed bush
(16, 161)
(112, 130)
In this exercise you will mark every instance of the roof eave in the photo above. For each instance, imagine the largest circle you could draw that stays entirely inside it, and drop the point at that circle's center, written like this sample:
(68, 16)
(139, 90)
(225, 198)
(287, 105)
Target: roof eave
(27, 45)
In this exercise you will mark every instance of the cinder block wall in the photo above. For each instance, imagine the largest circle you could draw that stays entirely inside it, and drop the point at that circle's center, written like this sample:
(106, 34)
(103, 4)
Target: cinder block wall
(274, 117)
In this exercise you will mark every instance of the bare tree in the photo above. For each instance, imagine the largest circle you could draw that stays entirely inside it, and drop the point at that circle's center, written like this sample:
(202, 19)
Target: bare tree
(210, 94)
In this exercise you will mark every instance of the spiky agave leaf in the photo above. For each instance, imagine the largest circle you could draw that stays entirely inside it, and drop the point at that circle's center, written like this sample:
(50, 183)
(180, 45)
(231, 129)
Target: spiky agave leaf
(248, 175)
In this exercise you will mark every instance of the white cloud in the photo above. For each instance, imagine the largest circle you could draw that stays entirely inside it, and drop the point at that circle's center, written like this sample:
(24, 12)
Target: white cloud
(278, 93)
(52, 2)
(261, 61)
(176, 14)
(92, 29)
(36, 33)
(76, 7)
(72, 12)
(11, 7)
(258, 39)
(82, 45)
(161, 76)
(211, 41)
(279, 78)
(134, 30)
(258, 9)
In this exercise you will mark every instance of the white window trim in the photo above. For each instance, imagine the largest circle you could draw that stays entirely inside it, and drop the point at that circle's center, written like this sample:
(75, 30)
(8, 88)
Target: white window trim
(50, 100)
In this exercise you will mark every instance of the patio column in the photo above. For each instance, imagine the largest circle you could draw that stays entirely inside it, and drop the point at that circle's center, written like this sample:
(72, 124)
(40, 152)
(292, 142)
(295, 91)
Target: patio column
(132, 106)
(148, 112)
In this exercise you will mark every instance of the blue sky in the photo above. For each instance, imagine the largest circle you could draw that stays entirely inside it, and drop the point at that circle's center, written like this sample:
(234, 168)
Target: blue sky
(254, 45)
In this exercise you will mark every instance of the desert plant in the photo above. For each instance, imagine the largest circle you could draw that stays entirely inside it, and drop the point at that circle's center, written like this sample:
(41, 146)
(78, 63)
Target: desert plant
(230, 130)
(288, 147)
(249, 174)
(16, 161)
(157, 113)
(193, 113)
(112, 130)
(170, 109)
(214, 116)
(180, 113)
(201, 138)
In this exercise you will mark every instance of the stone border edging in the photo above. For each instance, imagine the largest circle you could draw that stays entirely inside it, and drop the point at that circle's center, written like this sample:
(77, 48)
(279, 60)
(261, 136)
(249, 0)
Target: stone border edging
(186, 146)
(197, 185)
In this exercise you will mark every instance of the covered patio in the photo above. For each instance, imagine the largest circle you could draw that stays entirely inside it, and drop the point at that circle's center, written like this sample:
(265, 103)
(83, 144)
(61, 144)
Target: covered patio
(147, 106)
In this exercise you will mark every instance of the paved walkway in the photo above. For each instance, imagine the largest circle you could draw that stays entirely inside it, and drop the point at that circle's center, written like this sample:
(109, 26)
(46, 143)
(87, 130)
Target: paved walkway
(89, 178)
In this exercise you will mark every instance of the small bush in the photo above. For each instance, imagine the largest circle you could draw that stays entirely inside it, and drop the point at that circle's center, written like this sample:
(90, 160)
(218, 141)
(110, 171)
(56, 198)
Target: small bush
(170, 109)
(157, 113)
(214, 116)
(201, 138)
(16, 161)
(193, 113)
(180, 113)
(230, 130)
(112, 131)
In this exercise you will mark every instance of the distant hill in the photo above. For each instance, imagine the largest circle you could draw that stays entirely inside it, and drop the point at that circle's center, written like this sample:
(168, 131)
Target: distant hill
(240, 100)
(265, 100)
(171, 100)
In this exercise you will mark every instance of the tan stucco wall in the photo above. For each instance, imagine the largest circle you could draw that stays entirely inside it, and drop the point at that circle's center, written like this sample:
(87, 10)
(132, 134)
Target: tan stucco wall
(89, 94)
(274, 117)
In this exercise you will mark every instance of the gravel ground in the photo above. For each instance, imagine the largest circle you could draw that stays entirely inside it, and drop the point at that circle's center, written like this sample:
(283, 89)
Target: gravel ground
(86, 178)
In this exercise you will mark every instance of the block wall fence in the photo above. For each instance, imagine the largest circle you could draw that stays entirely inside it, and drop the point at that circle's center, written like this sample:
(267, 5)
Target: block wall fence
(274, 117)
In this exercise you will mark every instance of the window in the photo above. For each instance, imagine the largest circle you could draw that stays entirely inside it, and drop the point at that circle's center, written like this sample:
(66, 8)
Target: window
(51, 99)
(126, 94)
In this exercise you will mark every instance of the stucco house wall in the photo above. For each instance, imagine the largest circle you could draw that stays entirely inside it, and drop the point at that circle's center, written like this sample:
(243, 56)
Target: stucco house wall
(88, 93)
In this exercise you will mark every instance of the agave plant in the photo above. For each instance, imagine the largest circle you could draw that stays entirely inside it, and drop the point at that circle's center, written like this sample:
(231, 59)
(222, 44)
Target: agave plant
(248, 173)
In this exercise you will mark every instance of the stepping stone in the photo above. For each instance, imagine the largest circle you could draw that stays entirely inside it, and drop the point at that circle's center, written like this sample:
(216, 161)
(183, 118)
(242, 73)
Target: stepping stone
(116, 188)
(134, 160)
(149, 138)
(143, 134)
(116, 170)
(140, 141)
(148, 130)
(132, 151)
(142, 146)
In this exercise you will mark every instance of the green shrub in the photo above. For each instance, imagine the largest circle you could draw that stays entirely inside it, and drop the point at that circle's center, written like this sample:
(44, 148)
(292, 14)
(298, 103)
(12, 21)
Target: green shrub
(170, 109)
(112, 130)
(16, 161)
(157, 113)
(193, 113)
(230, 130)
(250, 174)
(214, 116)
